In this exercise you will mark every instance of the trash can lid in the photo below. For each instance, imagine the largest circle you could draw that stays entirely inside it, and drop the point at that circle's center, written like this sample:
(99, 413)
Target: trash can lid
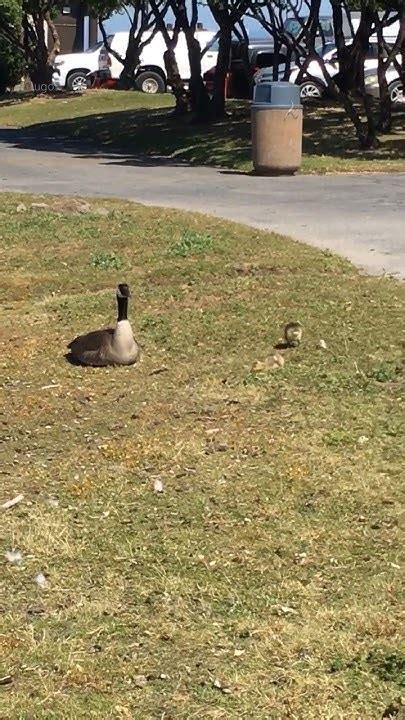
(276, 93)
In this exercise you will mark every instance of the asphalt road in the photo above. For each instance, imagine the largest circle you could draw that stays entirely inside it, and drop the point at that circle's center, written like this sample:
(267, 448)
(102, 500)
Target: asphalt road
(361, 217)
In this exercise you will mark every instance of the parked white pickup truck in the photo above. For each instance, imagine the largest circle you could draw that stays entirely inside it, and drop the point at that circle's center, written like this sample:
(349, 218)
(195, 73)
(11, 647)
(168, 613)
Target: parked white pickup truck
(72, 70)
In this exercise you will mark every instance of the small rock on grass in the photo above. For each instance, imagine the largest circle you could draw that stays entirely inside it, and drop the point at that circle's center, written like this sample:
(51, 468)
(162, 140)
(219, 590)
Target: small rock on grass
(21, 208)
(219, 686)
(40, 206)
(84, 208)
(158, 486)
(140, 680)
(41, 580)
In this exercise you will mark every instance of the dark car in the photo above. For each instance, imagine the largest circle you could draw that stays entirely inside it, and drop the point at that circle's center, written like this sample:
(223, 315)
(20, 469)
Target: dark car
(246, 60)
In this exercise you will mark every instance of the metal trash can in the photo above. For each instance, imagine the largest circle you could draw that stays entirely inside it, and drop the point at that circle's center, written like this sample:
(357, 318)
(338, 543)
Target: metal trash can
(276, 127)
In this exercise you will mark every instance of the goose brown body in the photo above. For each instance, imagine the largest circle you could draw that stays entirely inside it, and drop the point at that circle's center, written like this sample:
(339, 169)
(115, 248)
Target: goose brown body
(111, 346)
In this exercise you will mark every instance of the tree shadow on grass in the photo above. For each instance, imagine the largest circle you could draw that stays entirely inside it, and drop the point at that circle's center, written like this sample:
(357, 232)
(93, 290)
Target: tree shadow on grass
(18, 98)
(146, 133)
(327, 131)
(159, 136)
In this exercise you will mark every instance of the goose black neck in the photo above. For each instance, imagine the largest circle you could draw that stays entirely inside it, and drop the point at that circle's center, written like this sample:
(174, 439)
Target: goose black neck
(122, 308)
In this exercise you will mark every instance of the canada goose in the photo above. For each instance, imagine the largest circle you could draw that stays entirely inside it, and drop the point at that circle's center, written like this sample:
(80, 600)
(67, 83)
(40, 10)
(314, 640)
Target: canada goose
(112, 346)
(293, 334)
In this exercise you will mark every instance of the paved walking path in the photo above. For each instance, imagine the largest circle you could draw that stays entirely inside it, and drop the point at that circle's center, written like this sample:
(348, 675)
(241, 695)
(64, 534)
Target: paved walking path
(359, 216)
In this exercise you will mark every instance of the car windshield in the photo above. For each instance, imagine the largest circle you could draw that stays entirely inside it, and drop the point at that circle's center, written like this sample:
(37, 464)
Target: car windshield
(212, 46)
(99, 44)
(294, 26)
(322, 51)
(327, 27)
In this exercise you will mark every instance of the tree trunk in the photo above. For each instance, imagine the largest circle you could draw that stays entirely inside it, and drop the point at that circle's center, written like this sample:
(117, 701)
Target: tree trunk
(402, 32)
(200, 103)
(276, 59)
(127, 77)
(363, 39)
(55, 37)
(287, 68)
(39, 68)
(352, 113)
(371, 140)
(221, 71)
(385, 118)
(169, 58)
(351, 75)
(176, 83)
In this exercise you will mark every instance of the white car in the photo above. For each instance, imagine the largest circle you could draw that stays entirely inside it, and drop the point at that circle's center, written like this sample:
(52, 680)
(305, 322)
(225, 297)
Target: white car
(313, 85)
(72, 70)
(395, 87)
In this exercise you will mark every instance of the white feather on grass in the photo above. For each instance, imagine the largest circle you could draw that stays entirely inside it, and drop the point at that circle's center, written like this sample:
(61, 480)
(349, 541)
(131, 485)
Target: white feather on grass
(13, 556)
(41, 580)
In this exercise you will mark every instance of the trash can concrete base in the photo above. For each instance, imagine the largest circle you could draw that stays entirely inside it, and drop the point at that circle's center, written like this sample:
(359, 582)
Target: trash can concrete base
(276, 139)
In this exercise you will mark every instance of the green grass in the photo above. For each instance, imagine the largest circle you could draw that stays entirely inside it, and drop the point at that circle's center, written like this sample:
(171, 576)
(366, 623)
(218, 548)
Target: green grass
(265, 581)
(24, 109)
(141, 124)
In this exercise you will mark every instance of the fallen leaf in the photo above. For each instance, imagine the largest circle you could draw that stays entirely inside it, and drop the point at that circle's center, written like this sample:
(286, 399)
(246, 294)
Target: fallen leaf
(285, 610)
(274, 362)
(159, 370)
(123, 710)
(212, 431)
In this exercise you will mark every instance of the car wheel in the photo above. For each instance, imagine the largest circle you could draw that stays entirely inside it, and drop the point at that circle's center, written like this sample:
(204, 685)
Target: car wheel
(310, 90)
(150, 82)
(396, 92)
(77, 81)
